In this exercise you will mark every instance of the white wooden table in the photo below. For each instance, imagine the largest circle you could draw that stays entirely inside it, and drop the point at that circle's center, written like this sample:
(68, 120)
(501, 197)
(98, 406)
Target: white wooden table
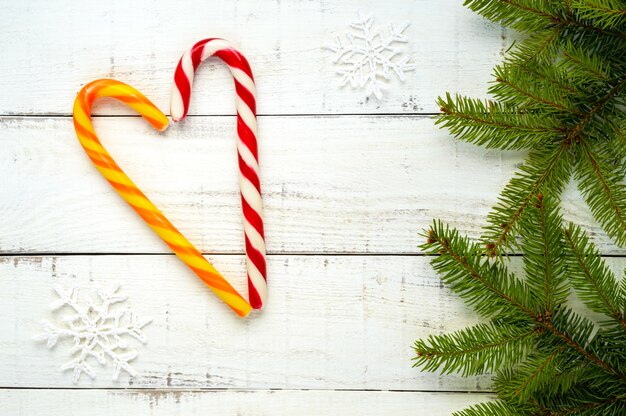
(348, 184)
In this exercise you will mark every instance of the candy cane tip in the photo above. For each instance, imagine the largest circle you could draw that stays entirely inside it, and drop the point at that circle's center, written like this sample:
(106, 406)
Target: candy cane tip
(257, 304)
(176, 114)
(159, 122)
(177, 107)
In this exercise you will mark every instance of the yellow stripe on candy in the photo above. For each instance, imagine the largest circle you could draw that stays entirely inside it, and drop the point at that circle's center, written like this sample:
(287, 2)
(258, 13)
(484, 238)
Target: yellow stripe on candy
(171, 236)
(133, 195)
(199, 263)
(94, 146)
(116, 176)
(138, 200)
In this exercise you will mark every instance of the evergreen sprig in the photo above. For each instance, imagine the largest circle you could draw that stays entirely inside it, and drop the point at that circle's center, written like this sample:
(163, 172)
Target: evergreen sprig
(561, 94)
(547, 358)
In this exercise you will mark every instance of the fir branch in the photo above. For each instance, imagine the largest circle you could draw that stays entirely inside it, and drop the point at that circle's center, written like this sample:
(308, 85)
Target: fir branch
(489, 288)
(547, 74)
(600, 405)
(606, 196)
(519, 385)
(576, 332)
(494, 408)
(609, 14)
(534, 10)
(540, 45)
(574, 133)
(532, 15)
(593, 281)
(617, 137)
(546, 356)
(543, 260)
(560, 94)
(515, 86)
(596, 29)
(494, 125)
(517, 14)
(587, 64)
(531, 382)
(540, 174)
(623, 294)
(475, 350)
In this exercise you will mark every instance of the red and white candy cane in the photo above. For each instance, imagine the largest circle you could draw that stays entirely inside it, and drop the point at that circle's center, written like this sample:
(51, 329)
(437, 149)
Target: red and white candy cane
(247, 148)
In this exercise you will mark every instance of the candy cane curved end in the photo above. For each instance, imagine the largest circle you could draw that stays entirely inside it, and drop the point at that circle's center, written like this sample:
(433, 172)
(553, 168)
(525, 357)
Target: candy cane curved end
(247, 148)
(123, 92)
(105, 164)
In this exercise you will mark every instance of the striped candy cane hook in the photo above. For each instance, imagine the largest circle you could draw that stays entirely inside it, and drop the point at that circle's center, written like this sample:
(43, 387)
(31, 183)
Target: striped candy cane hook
(133, 195)
(247, 148)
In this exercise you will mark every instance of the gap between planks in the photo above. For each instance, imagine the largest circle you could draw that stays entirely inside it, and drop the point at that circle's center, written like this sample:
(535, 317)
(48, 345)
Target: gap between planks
(67, 115)
(235, 390)
(294, 254)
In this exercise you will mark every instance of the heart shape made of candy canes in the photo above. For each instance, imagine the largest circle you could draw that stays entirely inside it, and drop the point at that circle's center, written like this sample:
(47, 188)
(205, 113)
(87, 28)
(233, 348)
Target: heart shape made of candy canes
(248, 163)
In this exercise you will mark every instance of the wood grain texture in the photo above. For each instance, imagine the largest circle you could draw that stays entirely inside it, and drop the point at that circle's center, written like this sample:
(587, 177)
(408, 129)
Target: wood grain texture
(357, 184)
(52, 48)
(332, 322)
(344, 322)
(232, 403)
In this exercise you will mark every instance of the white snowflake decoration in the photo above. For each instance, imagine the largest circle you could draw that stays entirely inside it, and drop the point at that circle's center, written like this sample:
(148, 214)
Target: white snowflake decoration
(368, 58)
(97, 330)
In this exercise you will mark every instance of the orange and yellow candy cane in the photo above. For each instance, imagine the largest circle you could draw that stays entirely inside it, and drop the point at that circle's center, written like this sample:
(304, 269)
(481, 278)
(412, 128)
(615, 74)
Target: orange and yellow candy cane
(131, 193)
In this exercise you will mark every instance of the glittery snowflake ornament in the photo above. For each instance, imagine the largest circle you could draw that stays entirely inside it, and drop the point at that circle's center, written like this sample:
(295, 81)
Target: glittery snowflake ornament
(99, 331)
(367, 59)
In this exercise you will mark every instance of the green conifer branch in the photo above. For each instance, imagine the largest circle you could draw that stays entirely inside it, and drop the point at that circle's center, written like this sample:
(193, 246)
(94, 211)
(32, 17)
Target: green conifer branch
(592, 280)
(474, 350)
(606, 196)
(574, 133)
(514, 85)
(547, 74)
(587, 64)
(493, 408)
(547, 357)
(609, 14)
(575, 331)
(531, 377)
(494, 125)
(542, 173)
(559, 87)
(544, 260)
(489, 288)
(597, 408)
(531, 15)
(561, 95)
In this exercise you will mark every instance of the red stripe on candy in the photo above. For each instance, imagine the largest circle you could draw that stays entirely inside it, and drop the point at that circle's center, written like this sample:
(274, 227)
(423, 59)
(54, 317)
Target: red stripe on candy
(183, 85)
(253, 217)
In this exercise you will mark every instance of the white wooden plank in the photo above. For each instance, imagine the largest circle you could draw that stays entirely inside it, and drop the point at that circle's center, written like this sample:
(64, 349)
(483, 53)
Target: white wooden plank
(333, 322)
(345, 322)
(52, 48)
(331, 184)
(235, 403)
